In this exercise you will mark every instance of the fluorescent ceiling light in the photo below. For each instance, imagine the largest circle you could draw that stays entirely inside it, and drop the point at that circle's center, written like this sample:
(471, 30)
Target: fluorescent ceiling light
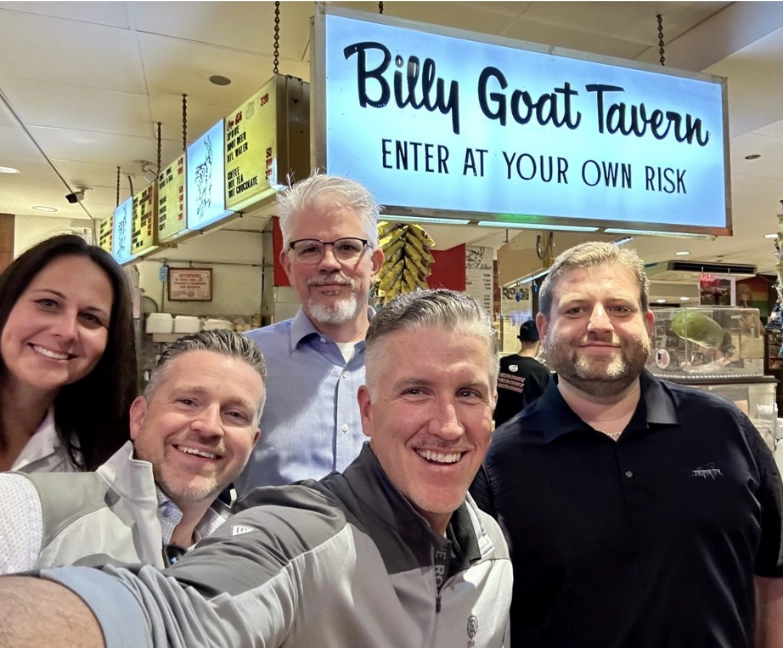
(5, 169)
(612, 230)
(538, 226)
(770, 236)
(682, 253)
(660, 301)
(685, 298)
(41, 208)
(623, 241)
(426, 219)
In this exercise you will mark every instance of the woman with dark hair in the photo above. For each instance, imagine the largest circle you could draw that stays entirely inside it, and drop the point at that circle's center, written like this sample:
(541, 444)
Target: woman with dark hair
(67, 358)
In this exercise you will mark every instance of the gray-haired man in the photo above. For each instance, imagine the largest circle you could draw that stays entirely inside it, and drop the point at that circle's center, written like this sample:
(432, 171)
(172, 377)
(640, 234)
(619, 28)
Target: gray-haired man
(389, 553)
(192, 432)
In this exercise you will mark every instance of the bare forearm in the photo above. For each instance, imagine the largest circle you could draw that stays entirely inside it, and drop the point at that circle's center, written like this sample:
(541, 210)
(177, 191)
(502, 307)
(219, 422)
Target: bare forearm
(36, 612)
(769, 612)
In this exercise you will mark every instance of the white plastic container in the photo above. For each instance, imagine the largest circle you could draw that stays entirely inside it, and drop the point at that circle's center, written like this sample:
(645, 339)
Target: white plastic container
(218, 323)
(187, 324)
(159, 323)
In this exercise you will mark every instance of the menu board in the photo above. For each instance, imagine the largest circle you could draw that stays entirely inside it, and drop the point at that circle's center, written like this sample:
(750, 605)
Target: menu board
(206, 198)
(478, 275)
(171, 200)
(251, 149)
(145, 234)
(122, 232)
(105, 232)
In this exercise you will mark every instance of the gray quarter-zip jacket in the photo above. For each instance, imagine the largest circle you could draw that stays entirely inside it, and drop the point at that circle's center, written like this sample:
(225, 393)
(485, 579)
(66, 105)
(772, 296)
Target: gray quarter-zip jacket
(341, 563)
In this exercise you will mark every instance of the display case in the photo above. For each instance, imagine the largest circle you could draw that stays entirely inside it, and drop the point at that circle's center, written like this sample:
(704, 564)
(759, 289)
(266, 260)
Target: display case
(692, 343)
(720, 350)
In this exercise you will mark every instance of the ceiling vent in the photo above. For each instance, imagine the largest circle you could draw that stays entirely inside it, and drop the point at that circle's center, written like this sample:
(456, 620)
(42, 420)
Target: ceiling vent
(690, 270)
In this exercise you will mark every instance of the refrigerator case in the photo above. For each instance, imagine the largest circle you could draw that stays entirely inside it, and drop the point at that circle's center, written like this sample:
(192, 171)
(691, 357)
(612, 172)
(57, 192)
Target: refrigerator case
(721, 350)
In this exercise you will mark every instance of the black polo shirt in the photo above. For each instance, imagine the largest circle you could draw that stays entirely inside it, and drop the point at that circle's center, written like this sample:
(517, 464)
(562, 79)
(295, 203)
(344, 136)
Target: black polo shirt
(648, 542)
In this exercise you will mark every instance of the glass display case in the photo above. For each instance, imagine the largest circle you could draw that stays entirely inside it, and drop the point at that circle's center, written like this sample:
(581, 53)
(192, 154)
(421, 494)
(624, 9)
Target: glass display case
(721, 350)
(717, 342)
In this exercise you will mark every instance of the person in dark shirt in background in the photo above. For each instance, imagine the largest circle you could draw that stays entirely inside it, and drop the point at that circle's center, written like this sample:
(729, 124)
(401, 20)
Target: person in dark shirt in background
(522, 378)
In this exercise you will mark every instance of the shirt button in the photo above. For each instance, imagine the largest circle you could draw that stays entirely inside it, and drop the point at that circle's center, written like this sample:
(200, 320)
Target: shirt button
(344, 376)
(345, 427)
(323, 339)
(628, 474)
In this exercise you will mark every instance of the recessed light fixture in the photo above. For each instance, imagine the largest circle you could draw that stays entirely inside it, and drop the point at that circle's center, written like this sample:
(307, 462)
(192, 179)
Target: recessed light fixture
(752, 156)
(682, 253)
(42, 208)
(685, 298)
(660, 301)
(770, 236)
(219, 80)
(4, 169)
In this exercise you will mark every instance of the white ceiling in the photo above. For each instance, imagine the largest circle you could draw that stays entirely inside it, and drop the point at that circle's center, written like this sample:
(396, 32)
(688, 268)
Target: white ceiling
(89, 81)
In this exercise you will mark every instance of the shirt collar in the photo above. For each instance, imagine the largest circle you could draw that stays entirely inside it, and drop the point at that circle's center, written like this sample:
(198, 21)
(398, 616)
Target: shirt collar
(555, 418)
(302, 327)
(170, 516)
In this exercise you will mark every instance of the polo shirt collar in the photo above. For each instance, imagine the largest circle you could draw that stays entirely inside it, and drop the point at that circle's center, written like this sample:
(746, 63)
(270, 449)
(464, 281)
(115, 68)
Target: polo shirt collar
(302, 326)
(555, 418)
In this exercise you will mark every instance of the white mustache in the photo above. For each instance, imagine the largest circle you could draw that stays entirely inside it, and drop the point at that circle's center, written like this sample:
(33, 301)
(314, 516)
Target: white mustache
(330, 279)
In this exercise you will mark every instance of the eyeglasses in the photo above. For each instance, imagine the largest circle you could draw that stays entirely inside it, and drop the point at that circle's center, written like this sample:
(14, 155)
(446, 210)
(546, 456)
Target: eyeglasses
(347, 250)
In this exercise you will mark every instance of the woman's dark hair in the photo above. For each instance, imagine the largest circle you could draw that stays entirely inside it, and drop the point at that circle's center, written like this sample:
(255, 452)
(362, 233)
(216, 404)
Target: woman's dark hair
(91, 414)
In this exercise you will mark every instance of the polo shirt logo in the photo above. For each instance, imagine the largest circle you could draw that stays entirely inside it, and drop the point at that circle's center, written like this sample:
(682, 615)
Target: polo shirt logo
(708, 470)
(472, 630)
(239, 529)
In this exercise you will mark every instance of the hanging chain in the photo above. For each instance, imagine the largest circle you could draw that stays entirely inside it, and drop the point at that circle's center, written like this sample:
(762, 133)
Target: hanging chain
(380, 8)
(506, 236)
(118, 186)
(184, 123)
(277, 38)
(661, 49)
(159, 144)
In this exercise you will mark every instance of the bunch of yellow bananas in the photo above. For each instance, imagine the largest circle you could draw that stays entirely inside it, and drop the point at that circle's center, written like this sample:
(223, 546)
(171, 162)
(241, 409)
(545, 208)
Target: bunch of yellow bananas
(407, 259)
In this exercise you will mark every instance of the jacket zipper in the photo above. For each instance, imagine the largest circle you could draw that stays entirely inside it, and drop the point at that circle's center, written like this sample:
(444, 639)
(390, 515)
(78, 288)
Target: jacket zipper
(437, 603)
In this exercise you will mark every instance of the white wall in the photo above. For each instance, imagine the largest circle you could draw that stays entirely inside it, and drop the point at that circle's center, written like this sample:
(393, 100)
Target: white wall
(29, 230)
(236, 259)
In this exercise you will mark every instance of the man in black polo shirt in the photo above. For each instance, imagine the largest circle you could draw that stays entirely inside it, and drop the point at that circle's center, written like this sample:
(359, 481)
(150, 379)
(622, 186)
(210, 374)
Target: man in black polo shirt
(640, 514)
(522, 378)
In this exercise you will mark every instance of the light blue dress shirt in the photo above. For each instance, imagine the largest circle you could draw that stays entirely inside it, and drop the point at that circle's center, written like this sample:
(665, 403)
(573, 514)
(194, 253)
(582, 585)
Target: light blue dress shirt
(311, 424)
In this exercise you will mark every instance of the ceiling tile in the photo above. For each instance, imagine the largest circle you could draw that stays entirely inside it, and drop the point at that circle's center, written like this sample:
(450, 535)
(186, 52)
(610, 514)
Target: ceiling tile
(68, 106)
(65, 51)
(175, 67)
(103, 148)
(572, 39)
(247, 26)
(16, 147)
(112, 14)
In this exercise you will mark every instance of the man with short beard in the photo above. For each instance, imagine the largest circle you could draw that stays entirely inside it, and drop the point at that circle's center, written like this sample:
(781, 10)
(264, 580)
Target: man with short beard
(192, 432)
(639, 513)
(312, 426)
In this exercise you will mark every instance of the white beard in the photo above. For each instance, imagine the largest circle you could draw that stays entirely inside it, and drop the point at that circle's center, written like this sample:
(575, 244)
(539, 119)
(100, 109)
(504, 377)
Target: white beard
(343, 311)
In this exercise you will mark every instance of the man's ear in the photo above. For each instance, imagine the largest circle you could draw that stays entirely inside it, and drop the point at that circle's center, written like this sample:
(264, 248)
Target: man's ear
(377, 261)
(542, 323)
(285, 260)
(649, 322)
(256, 436)
(138, 411)
(365, 409)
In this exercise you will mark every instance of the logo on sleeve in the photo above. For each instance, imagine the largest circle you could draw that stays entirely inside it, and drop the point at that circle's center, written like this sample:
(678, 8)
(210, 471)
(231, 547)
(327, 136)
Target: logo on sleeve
(239, 529)
(707, 470)
(472, 630)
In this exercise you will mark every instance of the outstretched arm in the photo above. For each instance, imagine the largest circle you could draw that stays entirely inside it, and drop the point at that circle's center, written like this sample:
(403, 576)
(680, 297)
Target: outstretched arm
(36, 612)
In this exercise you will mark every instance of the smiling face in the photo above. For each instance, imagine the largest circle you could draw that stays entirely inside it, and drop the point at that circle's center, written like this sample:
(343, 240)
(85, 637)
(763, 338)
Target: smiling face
(57, 330)
(429, 416)
(332, 292)
(596, 336)
(199, 426)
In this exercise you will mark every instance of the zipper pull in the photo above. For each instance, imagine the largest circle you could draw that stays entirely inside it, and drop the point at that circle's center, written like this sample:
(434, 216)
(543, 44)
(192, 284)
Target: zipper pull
(437, 603)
